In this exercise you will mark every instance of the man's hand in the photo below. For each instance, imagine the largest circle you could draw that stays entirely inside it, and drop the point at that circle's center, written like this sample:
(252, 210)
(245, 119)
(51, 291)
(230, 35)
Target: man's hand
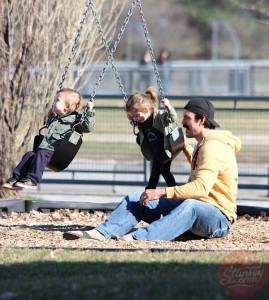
(153, 194)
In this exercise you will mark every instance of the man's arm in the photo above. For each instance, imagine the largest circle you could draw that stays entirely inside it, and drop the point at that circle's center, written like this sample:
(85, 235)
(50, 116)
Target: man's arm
(188, 150)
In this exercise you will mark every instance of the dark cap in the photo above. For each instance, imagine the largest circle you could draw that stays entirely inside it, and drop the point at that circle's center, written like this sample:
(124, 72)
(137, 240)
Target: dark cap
(202, 107)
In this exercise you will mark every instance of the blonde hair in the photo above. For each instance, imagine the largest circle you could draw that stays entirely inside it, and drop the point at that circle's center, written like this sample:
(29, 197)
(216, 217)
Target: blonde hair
(140, 101)
(74, 100)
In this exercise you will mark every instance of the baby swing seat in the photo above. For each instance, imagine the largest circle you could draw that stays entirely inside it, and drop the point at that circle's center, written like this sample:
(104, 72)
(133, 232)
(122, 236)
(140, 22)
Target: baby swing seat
(65, 153)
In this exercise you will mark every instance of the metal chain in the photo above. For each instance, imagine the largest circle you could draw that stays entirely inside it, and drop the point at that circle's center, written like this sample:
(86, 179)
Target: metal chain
(89, 4)
(109, 52)
(153, 60)
(74, 46)
(123, 27)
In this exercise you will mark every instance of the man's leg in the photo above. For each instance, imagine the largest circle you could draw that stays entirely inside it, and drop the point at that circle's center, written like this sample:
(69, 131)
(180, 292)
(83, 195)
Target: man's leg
(130, 212)
(210, 222)
(125, 216)
(194, 215)
(123, 219)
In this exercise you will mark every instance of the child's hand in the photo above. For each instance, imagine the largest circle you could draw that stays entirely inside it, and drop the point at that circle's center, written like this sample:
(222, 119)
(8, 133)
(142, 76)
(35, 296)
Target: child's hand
(166, 103)
(90, 104)
(51, 113)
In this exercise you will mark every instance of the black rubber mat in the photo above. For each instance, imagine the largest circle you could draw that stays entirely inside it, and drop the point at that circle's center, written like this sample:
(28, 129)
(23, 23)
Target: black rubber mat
(50, 205)
(21, 205)
(13, 205)
(251, 210)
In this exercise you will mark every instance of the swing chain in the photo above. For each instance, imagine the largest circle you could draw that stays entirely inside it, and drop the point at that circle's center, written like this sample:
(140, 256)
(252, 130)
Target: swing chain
(153, 60)
(74, 46)
(108, 51)
(126, 21)
(101, 76)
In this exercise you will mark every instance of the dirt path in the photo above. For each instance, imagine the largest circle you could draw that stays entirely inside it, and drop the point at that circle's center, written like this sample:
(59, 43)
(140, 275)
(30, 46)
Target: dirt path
(37, 229)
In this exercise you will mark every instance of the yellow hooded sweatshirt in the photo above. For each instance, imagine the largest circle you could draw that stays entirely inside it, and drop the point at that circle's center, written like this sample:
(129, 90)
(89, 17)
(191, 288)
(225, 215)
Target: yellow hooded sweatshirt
(214, 173)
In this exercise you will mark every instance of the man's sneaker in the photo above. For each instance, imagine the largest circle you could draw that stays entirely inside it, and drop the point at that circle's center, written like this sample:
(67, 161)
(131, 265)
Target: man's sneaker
(10, 185)
(26, 183)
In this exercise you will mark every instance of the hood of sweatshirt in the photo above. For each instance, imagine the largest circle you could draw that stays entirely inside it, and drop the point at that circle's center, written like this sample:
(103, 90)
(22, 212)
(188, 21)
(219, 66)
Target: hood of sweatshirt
(225, 137)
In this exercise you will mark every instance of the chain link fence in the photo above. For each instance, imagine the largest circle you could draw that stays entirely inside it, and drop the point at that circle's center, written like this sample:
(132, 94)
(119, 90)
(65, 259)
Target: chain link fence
(110, 155)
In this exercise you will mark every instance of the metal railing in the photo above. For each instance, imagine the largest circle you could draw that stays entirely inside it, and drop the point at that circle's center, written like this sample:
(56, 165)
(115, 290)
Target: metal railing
(202, 77)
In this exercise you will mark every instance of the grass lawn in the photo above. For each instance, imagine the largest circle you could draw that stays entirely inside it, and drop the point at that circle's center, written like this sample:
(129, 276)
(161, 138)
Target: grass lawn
(83, 274)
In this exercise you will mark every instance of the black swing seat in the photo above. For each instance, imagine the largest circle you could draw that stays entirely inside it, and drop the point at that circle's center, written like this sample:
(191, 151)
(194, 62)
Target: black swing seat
(65, 153)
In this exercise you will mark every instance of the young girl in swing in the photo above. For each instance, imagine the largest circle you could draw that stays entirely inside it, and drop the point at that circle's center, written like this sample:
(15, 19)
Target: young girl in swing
(64, 114)
(153, 130)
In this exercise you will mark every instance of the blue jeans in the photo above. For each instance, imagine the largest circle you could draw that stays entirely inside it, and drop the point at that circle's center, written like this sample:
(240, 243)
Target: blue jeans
(167, 219)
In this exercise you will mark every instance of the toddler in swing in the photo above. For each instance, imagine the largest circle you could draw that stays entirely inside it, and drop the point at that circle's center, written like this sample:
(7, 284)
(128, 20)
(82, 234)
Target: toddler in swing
(153, 130)
(64, 113)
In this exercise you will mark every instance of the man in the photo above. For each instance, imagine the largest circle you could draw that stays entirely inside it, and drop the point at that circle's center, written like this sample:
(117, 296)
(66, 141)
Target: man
(206, 205)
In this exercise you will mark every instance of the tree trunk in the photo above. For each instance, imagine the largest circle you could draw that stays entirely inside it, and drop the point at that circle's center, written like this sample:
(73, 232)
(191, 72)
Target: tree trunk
(7, 108)
(35, 40)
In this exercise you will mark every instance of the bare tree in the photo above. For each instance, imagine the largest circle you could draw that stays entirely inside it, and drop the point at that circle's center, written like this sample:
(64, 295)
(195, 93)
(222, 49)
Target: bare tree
(259, 10)
(35, 41)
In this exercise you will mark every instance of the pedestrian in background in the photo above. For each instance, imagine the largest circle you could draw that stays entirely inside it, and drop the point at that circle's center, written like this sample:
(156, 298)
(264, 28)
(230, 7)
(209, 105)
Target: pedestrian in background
(164, 67)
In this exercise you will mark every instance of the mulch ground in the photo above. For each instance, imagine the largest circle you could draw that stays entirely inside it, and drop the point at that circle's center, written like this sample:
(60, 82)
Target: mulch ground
(45, 230)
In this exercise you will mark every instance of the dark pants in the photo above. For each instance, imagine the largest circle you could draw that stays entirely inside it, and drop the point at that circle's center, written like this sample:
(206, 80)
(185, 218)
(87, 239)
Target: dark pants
(161, 166)
(32, 165)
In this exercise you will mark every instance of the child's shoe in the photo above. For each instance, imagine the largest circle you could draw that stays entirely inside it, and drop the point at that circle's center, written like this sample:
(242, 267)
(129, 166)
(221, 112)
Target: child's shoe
(10, 184)
(26, 183)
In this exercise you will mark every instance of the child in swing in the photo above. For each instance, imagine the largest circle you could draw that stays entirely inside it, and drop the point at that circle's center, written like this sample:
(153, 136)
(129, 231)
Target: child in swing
(63, 114)
(153, 129)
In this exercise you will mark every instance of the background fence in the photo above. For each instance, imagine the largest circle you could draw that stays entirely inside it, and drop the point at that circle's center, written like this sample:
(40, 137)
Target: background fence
(211, 77)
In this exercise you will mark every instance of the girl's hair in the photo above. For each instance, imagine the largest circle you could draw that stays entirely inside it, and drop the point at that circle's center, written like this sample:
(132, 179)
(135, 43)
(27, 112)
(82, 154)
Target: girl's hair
(74, 99)
(139, 101)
